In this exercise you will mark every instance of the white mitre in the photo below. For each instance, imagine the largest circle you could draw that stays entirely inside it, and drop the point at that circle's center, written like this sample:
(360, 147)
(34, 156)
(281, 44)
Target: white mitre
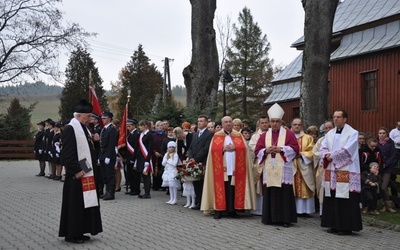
(275, 111)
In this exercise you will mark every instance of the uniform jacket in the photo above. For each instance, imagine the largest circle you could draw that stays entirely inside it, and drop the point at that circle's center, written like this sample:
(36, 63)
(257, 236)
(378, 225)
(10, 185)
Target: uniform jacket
(108, 142)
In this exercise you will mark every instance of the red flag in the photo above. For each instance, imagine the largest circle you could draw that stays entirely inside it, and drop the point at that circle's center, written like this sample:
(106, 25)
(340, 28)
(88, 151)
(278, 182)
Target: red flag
(122, 131)
(95, 103)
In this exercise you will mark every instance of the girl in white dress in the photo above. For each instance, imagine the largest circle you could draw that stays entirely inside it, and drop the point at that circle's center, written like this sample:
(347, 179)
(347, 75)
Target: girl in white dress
(170, 162)
(188, 191)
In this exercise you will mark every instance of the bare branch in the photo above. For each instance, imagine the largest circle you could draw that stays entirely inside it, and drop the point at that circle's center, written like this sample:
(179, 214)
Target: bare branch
(31, 34)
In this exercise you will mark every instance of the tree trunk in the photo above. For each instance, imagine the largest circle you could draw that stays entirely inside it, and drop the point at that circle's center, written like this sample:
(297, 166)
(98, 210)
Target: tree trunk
(201, 75)
(314, 92)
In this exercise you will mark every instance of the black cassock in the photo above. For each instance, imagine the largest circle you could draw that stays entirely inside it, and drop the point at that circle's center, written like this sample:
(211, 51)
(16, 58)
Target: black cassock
(75, 219)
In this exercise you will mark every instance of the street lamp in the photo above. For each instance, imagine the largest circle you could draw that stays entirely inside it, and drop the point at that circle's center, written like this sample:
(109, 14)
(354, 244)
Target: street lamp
(226, 78)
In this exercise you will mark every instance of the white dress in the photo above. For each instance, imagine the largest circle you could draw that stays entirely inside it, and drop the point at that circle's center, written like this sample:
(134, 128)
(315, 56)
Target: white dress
(188, 189)
(170, 171)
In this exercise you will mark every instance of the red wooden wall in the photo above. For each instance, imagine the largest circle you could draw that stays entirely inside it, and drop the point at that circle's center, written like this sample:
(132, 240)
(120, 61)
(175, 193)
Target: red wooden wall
(345, 90)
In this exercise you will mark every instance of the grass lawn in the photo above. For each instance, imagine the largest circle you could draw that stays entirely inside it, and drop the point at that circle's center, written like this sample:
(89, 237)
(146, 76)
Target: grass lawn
(47, 107)
(393, 218)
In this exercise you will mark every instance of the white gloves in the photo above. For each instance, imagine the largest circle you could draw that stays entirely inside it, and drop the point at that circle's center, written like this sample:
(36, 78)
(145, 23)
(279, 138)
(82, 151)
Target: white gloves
(40, 151)
(107, 160)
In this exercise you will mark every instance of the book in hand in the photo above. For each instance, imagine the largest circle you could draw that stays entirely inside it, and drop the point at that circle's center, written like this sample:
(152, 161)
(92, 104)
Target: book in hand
(85, 165)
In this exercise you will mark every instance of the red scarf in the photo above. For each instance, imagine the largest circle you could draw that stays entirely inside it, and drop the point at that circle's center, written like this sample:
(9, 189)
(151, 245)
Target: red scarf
(383, 141)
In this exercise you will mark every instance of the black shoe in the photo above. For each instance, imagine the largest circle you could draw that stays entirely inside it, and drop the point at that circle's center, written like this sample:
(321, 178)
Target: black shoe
(332, 231)
(57, 178)
(286, 224)
(77, 240)
(85, 238)
(197, 207)
(217, 215)
(118, 190)
(144, 196)
(233, 215)
(40, 174)
(52, 176)
(344, 233)
(108, 197)
(101, 196)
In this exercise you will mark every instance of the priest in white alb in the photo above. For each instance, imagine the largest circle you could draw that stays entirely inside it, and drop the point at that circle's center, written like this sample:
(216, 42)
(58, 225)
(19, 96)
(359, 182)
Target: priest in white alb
(341, 183)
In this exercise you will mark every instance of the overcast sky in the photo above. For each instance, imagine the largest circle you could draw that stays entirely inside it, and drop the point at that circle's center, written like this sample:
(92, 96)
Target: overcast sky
(163, 28)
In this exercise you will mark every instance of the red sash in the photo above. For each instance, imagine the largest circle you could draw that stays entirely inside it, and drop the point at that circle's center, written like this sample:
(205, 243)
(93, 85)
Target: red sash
(219, 171)
(144, 152)
(129, 147)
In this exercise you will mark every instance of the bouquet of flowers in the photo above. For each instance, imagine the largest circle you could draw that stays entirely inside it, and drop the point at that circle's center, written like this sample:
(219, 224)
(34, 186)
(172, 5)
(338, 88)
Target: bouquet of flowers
(192, 171)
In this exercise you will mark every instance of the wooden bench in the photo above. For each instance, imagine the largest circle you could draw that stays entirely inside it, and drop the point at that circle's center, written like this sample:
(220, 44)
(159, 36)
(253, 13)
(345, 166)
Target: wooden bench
(17, 149)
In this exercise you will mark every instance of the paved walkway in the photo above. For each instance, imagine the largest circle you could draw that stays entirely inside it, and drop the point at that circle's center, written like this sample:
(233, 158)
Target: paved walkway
(30, 212)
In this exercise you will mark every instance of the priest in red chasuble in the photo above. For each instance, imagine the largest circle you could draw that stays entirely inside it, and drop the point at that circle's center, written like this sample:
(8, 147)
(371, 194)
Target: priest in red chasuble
(276, 150)
(228, 181)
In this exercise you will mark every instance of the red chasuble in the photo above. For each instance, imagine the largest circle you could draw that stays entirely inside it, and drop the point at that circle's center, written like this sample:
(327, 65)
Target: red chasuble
(220, 175)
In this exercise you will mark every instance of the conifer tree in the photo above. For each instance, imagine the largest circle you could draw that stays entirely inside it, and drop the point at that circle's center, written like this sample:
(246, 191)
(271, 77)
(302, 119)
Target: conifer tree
(145, 82)
(249, 64)
(77, 83)
(16, 124)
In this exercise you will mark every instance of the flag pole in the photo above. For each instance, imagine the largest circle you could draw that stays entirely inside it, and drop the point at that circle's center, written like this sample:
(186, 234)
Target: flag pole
(90, 84)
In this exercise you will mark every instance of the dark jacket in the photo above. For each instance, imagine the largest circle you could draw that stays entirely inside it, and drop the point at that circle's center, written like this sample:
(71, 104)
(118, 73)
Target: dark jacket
(108, 142)
(368, 156)
(138, 156)
(39, 145)
(388, 152)
(367, 177)
(199, 147)
(183, 148)
(132, 139)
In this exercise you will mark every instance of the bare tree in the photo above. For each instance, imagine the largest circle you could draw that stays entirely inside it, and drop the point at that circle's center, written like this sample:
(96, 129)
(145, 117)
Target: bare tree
(314, 93)
(31, 35)
(224, 28)
(201, 75)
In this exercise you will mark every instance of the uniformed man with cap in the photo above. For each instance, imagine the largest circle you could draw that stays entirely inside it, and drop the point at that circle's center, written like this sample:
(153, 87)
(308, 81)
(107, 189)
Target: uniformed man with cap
(108, 155)
(38, 148)
(96, 130)
(49, 150)
(132, 175)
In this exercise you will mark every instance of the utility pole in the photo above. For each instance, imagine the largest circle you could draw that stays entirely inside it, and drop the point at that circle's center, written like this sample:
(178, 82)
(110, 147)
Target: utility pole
(226, 78)
(167, 83)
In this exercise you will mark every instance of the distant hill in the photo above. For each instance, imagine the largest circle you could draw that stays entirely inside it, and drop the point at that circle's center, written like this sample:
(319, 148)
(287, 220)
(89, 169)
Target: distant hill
(29, 89)
(46, 96)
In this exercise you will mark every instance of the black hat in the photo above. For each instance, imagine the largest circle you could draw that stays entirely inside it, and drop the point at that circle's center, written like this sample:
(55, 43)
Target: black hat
(95, 116)
(131, 121)
(48, 120)
(59, 124)
(107, 115)
(40, 123)
(83, 107)
(52, 123)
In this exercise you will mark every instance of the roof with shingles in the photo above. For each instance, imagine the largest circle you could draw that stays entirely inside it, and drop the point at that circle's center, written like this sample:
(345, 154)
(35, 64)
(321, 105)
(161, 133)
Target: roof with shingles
(385, 36)
(353, 13)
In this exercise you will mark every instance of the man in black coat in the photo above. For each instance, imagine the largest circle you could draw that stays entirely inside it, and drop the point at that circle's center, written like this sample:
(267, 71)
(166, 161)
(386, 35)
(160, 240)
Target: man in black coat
(132, 175)
(108, 155)
(143, 154)
(77, 220)
(198, 152)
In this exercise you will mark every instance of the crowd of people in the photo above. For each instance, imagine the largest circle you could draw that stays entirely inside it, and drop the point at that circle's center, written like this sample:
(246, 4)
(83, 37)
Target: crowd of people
(281, 171)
